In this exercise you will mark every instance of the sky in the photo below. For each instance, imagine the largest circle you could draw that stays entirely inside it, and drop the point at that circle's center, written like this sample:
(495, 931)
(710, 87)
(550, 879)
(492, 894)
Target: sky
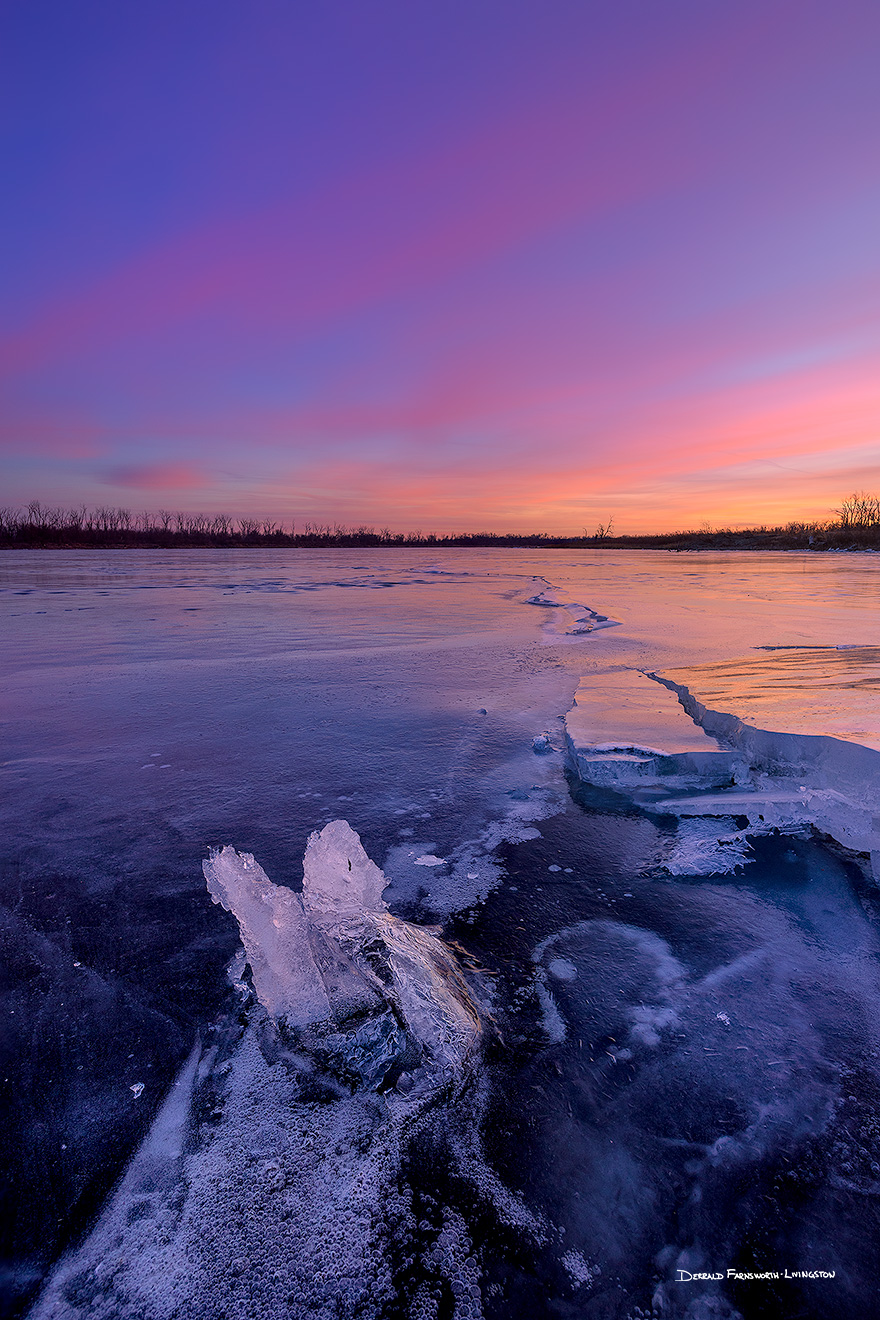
(442, 266)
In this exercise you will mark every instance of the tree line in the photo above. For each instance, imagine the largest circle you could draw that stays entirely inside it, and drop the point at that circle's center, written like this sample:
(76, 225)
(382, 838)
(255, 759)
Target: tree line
(855, 525)
(43, 525)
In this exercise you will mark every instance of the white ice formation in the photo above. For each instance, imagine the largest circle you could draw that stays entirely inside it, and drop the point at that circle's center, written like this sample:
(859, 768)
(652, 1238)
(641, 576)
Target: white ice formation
(378, 1000)
(252, 1195)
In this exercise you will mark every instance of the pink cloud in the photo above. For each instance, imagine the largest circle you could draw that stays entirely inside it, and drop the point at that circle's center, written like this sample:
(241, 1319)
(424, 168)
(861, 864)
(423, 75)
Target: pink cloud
(156, 476)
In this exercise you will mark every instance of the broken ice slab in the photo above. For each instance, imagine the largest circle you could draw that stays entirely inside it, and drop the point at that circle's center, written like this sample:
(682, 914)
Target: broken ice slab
(627, 732)
(774, 808)
(803, 717)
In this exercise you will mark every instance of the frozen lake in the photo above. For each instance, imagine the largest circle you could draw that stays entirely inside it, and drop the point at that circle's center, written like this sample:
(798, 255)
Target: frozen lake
(686, 1072)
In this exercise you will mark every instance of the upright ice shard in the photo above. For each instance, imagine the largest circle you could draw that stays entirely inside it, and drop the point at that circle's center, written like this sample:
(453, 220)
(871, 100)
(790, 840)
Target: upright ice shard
(338, 877)
(370, 997)
(275, 935)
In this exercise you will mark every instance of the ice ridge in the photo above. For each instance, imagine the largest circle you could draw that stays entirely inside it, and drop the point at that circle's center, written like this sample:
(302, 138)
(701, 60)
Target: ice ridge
(799, 776)
(580, 618)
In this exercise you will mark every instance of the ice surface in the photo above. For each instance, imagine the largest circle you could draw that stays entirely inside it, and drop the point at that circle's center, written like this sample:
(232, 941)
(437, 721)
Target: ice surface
(391, 686)
(710, 1041)
(833, 692)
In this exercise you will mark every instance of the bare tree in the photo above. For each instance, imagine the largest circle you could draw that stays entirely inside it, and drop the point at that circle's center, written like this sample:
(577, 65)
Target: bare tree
(860, 509)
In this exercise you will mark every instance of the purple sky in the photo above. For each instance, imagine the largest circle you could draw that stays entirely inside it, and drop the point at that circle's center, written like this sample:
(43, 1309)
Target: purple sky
(442, 265)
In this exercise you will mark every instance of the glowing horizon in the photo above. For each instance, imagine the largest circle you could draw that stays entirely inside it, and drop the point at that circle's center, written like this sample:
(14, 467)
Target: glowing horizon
(522, 268)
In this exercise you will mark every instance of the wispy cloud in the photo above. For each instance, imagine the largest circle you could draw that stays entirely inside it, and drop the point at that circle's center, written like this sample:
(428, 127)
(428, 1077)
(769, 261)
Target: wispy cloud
(155, 477)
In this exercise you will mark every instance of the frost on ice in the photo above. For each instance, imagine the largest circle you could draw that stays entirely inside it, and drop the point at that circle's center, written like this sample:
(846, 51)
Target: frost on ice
(373, 1000)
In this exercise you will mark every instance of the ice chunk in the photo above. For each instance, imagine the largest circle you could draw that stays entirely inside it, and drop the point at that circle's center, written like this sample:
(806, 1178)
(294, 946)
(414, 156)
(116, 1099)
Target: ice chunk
(275, 934)
(338, 876)
(625, 732)
(336, 960)
(803, 715)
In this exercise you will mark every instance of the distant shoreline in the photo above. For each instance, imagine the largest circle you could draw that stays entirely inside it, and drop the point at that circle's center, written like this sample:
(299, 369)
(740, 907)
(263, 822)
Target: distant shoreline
(856, 528)
(678, 544)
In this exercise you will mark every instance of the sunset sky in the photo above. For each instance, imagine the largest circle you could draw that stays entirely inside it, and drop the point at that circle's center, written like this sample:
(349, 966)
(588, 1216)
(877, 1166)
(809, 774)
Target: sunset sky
(446, 265)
